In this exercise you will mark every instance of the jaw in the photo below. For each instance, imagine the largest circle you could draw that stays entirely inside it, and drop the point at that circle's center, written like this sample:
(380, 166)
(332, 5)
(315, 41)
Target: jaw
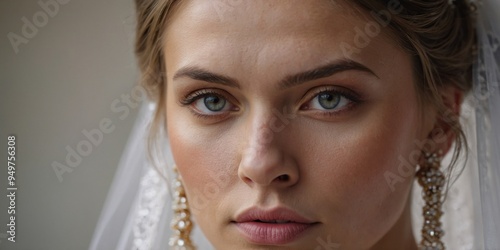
(400, 236)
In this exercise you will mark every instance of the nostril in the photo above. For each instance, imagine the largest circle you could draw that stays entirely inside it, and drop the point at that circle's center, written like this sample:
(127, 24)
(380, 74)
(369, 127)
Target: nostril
(283, 177)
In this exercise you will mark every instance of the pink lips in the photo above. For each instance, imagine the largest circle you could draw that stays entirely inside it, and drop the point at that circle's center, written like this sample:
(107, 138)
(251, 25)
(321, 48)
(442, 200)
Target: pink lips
(272, 227)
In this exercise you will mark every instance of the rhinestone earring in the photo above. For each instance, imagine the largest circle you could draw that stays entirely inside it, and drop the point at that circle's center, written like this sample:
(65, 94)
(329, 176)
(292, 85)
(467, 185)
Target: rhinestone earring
(432, 181)
(181, 221)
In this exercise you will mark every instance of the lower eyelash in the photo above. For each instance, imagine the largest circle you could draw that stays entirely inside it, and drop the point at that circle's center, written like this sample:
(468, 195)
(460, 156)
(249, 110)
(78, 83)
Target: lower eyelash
(338, 112)
(199, 115)
(208, 117)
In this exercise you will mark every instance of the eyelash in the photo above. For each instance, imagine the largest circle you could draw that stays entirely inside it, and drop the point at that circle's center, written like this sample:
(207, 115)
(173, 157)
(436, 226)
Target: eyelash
(352, 97)
(195, 96)
(192, 97)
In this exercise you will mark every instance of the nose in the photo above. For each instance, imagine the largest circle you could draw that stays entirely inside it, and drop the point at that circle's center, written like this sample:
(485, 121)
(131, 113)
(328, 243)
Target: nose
(265, 163)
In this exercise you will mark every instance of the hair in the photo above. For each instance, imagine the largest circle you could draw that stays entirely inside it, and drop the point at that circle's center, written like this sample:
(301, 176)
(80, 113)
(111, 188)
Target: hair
(439, 36)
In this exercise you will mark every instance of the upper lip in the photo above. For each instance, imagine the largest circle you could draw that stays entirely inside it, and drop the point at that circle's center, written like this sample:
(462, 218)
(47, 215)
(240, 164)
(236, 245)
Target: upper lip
(276, 215)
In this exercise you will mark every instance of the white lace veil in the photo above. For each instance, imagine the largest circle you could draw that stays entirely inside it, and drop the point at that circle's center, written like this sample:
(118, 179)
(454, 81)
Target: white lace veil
(137, 212)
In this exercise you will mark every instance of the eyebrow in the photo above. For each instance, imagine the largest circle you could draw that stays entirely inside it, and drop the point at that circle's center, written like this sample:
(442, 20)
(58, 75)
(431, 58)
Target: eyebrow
(327, 70)
(324, 71)
(200, 74)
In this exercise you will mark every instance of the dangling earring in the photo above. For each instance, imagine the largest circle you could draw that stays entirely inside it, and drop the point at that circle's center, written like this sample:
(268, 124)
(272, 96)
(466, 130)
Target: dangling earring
(181, 221)
(432, 181)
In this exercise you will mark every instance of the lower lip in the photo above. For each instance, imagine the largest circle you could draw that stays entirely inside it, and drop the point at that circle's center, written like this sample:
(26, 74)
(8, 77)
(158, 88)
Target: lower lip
(272, 233)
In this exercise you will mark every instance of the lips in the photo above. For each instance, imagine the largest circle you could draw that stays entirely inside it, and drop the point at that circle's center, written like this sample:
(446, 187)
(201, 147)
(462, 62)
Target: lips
(277, 226)
(275, 221)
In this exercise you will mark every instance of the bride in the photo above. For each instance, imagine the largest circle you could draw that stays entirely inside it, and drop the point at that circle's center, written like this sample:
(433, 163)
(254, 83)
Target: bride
(306, 124)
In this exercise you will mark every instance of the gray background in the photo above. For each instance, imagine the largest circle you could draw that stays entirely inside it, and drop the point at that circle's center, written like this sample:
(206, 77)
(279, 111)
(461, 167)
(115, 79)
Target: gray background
(62, 82)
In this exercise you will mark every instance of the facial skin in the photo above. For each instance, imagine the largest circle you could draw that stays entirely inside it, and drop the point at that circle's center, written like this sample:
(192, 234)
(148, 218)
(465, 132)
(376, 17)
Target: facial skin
(334, 159)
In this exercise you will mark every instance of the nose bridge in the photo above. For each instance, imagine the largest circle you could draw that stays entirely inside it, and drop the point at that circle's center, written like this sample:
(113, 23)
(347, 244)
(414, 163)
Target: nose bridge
(263, 159)
(263, 128)
(260, 135)
(267, 124)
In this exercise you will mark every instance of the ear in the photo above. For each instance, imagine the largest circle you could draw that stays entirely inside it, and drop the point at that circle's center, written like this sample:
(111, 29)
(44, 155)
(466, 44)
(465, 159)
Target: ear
(443, 133)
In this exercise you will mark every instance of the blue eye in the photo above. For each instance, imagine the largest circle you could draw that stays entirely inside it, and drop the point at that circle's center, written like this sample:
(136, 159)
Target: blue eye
(208, 103)
(329, 100)
(214, 103)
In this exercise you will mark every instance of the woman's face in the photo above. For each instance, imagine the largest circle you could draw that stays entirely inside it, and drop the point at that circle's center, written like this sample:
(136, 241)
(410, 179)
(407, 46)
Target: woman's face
(287, 119)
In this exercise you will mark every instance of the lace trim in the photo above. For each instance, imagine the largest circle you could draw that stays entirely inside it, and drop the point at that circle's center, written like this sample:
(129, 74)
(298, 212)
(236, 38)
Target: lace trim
(151, 206)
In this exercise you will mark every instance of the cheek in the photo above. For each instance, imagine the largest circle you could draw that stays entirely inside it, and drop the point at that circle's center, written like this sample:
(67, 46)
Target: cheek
(356, 169)
(206, 163)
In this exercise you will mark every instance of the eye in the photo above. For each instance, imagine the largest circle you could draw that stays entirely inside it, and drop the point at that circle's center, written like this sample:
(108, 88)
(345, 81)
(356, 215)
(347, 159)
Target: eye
(208, 103)
(330, 100)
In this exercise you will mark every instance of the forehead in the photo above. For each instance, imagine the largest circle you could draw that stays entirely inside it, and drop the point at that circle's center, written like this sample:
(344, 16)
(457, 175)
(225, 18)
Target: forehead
(255, 14)
(256, 19)
(296, 33)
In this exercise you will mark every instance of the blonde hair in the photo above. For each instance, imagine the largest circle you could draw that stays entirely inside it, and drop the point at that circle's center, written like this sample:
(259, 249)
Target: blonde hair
(439, 35)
